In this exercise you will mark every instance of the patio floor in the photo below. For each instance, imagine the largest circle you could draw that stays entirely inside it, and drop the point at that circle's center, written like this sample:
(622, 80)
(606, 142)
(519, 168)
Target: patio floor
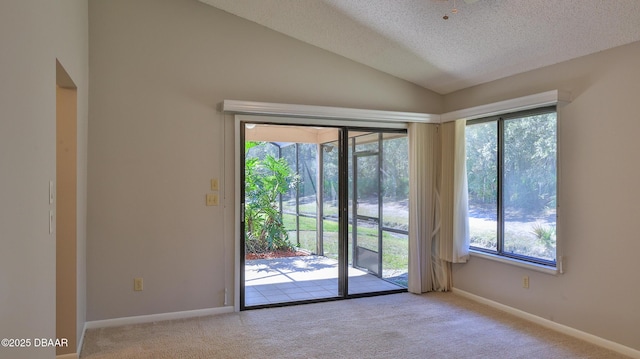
(281, 280)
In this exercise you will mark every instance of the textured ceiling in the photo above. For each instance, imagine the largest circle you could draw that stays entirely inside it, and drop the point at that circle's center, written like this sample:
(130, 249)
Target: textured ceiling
(484, 41)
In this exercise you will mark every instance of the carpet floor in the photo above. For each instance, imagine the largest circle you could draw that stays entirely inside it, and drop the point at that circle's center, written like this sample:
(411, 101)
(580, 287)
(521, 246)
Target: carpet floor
(434, 325)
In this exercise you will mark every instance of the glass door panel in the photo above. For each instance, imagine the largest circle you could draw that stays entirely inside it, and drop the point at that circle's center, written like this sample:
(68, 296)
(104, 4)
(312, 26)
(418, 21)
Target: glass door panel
(395, 209)
(379, 210)
(328, 244)
(366, 270)
(367, 212)
(367, 249)
(286, 256)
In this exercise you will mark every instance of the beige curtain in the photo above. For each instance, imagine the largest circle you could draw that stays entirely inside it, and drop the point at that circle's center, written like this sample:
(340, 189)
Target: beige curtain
(424, 162)
(438, 219)
(454, 239)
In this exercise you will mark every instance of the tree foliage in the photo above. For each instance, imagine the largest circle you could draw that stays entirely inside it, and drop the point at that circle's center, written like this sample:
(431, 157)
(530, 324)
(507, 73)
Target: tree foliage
(529, 163)
(482, 163)
(394, 171)
(306, 167)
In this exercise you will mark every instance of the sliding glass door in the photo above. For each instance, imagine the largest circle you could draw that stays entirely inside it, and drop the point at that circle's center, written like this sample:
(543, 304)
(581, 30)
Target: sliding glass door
(313, 225)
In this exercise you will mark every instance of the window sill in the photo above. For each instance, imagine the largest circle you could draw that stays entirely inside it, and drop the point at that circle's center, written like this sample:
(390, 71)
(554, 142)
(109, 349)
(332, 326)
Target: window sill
(515, 262)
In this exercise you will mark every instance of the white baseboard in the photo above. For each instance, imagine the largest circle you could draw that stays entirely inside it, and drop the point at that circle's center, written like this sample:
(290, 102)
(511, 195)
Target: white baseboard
(81, 340)
(75, 355)
(156, 317)
(633, 353)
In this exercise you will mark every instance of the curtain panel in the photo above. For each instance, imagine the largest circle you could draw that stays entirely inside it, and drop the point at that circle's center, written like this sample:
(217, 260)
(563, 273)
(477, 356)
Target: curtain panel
(438, 217)
(454, 243)
(424, 226)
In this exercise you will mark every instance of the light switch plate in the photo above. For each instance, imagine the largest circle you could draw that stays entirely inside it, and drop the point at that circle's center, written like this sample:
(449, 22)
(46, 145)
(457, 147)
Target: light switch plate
(52, 221)
(51, 192)
(212, 199)
(214, 184)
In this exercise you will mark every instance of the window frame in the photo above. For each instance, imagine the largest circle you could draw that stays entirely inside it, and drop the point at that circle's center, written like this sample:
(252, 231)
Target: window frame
(499, 254)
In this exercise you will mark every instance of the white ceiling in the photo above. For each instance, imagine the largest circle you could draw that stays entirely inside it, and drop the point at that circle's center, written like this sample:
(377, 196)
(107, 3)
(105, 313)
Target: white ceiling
(486, 40)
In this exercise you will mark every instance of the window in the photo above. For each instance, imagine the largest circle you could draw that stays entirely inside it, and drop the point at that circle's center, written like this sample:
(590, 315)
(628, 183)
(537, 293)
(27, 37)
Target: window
(512, 179)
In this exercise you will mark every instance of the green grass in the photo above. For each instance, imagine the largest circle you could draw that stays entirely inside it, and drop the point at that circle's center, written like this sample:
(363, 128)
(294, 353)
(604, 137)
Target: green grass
(515, 242)
(395, 251)
(390, 219)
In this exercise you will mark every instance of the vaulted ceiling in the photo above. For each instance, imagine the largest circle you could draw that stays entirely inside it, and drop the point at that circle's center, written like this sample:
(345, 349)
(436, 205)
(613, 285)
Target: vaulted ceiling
(483, 40)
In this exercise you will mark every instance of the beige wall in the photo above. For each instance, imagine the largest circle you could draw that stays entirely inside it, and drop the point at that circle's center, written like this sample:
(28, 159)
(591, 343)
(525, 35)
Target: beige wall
(599, 199)
(33, 34)
(159, 69)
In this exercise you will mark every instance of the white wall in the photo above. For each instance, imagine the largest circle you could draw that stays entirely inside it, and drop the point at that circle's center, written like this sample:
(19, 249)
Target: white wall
(599, 199)
(159, 69)
(32, 35)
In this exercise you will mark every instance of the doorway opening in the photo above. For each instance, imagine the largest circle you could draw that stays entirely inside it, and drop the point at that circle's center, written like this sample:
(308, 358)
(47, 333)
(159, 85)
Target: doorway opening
(66, 211)
(325, 213)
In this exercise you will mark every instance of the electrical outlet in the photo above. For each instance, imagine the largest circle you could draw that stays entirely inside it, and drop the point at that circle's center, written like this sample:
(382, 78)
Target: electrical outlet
(137, 284)
(525, 282)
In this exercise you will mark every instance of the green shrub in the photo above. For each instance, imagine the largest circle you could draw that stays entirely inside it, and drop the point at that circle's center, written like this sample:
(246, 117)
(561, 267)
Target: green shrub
(265, 180)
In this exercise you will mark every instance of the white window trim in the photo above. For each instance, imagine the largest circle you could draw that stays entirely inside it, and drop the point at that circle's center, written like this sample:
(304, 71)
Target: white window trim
(519, 263)
(549, 98)
(323, 112)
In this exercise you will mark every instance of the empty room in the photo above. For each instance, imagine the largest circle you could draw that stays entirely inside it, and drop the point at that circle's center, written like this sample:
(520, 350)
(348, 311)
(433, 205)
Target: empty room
(319, 178)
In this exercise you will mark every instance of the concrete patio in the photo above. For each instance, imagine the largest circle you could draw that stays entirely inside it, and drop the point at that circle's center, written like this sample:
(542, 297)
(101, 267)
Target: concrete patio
(281, 280)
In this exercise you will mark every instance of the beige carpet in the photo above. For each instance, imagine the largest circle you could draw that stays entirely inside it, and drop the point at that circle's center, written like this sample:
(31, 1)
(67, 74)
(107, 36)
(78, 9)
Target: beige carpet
(435, 325)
